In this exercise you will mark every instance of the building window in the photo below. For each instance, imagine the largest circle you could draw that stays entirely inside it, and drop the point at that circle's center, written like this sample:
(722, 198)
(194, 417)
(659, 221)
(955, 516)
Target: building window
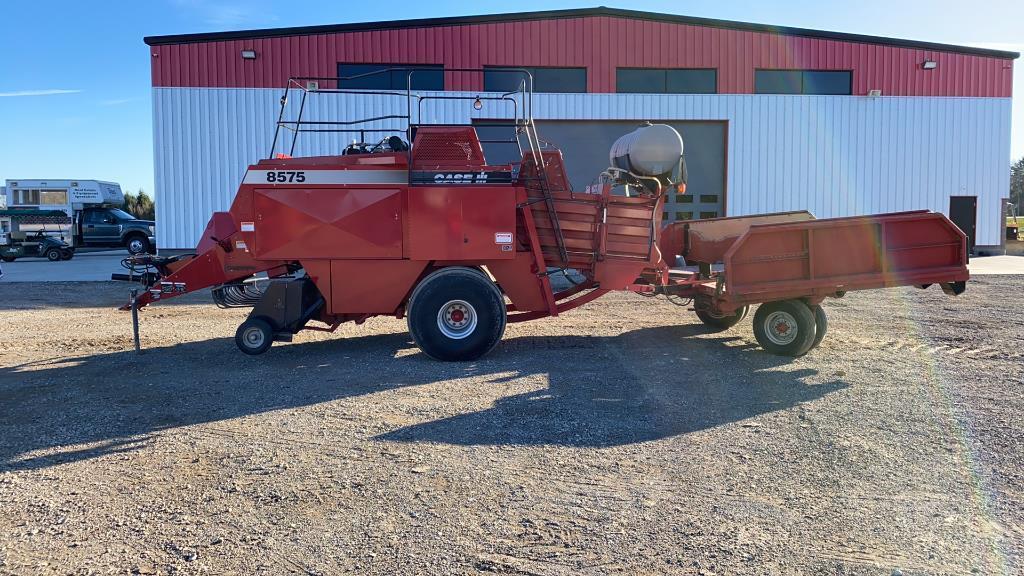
(803, 82)
(666, 80)
(500, 79)
(380, 77)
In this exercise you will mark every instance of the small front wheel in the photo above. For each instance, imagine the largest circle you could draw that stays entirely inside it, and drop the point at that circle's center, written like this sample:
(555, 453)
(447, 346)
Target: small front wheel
(718, 321)
(53, 254)
(786, 328)
(456, 314)
(254, 336)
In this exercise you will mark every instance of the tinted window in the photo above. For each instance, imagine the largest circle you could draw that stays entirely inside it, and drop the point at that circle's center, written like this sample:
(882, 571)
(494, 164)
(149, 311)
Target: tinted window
(691, 81)
(666, 81)
(639, 81)
(803, 82)
(821, 82)
(378, 77)
(498, 79)
(778, 82)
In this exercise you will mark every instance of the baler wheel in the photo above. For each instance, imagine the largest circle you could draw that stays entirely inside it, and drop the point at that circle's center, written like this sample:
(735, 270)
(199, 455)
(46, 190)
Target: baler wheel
(456, 314)
(820, 325)
(254, 336)
(786, 328)
(719, 322)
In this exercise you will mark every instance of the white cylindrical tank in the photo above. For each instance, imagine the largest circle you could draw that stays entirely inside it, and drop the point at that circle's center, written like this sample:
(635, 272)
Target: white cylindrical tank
(650, 150)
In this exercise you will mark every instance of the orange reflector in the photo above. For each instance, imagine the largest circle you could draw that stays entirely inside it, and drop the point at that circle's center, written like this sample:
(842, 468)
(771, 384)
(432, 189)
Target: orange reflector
(681, 188)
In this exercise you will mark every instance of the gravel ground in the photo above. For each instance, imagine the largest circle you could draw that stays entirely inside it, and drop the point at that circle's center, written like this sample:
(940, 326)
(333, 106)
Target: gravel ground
(618, 438)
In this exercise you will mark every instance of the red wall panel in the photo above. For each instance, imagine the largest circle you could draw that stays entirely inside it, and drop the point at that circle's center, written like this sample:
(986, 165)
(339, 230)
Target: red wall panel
(600, 43)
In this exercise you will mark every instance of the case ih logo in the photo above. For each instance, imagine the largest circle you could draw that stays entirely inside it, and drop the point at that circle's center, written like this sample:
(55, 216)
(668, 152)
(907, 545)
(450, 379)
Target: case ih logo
(457, 178)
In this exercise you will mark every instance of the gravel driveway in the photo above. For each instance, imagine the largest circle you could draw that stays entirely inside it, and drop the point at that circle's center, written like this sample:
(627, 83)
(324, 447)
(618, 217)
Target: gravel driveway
(621, 438)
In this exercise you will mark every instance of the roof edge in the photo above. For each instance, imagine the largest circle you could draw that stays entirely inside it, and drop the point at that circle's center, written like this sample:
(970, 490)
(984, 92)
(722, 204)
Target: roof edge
(572, 13)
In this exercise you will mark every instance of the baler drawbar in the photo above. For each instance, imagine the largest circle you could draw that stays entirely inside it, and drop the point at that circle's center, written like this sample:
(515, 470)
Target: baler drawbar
(414, 222)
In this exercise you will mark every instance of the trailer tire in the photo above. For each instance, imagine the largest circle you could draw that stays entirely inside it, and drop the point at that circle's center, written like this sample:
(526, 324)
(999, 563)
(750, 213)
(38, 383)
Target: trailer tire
(254, 336)
(456, 314)
(8, 258)
(786, 328)
(53, 255)
(720, 322)
(820, 325)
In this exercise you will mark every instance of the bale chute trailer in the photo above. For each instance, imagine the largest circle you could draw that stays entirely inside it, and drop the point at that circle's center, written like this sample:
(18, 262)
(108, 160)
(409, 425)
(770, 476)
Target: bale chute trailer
(419, 225)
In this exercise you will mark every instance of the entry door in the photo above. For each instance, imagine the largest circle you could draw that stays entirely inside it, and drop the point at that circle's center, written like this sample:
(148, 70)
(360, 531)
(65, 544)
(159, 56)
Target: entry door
(963, 211)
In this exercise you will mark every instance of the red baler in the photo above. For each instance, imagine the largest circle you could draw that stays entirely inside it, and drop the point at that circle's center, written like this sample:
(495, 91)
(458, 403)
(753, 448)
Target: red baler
(424, 228)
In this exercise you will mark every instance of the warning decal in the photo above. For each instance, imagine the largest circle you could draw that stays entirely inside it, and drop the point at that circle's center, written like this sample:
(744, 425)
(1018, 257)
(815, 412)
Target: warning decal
(502, 237)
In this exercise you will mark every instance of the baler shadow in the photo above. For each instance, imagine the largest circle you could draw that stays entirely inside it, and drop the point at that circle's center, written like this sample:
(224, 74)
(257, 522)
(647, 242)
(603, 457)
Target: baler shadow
(646, 384)
(643, 385)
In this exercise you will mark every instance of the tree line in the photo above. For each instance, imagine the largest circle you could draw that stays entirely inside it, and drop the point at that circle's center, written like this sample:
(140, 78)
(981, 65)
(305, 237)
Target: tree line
(139, 205)
(1017, 185)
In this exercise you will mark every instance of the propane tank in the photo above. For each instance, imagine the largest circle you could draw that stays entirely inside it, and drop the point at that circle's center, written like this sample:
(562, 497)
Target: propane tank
(650, 150)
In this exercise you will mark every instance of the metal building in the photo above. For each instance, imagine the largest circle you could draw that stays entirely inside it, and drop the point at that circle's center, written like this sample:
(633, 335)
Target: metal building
(773, 118)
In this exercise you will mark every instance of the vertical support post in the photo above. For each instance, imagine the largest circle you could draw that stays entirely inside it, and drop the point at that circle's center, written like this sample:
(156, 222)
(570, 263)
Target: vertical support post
(135, 319)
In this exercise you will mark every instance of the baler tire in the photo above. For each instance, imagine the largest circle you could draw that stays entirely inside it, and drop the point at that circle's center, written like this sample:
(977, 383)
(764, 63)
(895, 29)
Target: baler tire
(820, 325)
(53, 255)
(724, 321)
(247, 340)
(794, 315)
(479, 304)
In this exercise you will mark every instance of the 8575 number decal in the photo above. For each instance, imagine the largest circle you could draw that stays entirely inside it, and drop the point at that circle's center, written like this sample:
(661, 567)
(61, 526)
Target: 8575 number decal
(282, 176)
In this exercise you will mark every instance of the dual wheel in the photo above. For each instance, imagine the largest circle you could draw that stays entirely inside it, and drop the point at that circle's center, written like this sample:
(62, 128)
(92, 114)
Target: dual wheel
(454, 314)
(786, 328)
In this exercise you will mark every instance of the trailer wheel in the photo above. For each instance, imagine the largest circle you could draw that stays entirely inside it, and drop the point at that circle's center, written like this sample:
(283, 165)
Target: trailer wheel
(8, 258)
(785, 328)
(456, 314)
(53, 254)
(820, 325)
(722, 321)
(254, 336)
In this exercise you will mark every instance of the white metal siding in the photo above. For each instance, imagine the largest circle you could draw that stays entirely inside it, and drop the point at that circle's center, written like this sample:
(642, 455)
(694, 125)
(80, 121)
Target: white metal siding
(832, 155)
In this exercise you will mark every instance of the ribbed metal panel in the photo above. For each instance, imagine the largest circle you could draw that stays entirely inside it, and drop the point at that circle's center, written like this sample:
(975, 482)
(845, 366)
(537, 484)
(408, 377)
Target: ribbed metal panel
(833, 155)
(601, 44)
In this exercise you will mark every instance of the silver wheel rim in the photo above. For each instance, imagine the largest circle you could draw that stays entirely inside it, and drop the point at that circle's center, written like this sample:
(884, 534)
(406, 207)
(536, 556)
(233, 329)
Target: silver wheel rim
(253, 337)
(456, 319)
(135, 245)
(781, 328)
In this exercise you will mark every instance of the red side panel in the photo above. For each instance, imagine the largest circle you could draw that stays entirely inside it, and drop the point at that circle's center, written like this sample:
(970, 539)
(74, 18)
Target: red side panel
(778, 261)
(371, 286)
(296, 223)
(462, 222)
(600, 44)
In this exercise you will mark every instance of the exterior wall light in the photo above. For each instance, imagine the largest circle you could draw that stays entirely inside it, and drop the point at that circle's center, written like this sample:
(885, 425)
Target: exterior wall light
(248, 54)
(477, 104)
(930, 65)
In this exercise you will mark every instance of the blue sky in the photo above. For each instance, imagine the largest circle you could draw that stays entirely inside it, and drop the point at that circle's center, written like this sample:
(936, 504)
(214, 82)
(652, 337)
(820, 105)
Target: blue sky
(74, 78)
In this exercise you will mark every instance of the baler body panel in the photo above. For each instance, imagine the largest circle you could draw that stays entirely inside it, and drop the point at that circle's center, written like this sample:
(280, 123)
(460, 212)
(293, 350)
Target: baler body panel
(461, 222)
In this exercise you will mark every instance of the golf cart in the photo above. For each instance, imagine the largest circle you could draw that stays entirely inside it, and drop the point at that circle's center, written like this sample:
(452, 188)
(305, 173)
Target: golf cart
(18, 244)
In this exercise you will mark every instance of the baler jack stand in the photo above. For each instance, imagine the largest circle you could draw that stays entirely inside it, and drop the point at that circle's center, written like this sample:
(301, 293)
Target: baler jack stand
(134, 303)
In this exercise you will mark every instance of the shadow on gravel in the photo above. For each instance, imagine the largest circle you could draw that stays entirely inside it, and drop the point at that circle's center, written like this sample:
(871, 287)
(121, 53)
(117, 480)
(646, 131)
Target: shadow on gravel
(642, 385)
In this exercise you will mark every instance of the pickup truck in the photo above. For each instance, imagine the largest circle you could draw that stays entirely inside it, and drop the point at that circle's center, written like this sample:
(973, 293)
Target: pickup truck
(104, 226)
